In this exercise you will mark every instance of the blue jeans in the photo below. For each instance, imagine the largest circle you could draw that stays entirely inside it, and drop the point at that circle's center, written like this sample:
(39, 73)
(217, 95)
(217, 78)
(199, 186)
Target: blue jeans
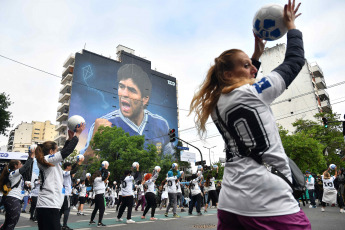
(26, 198)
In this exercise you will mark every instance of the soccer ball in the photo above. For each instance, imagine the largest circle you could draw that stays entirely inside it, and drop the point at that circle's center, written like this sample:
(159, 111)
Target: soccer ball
(332, 166)
(88, 174)
(157, 168)
(268, 22)
(215, 166)
(174, 165)
(74, 121)
(32, 148)
(134, 165)
(200, 167)
(80, 157)
(105, 163)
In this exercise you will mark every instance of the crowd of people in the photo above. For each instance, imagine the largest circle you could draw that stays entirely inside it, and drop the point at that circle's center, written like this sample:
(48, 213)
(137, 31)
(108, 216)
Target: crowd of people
(57, 190)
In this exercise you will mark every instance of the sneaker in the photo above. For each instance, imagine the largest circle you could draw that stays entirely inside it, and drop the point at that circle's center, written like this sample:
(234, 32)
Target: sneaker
(153, 218)
(166, 214)
(82, 214)
(310, 206)
(176, 216)
(74, 208)
(341, 210)
(119, 220)
(101, 225)
(189, 213)
(199, 214)
(78, 213)
(205, 211)
(66, 228)
(142, 217)
(130, 221)
(314, 206)
(322, 209)
(92, 222)
(23, 211)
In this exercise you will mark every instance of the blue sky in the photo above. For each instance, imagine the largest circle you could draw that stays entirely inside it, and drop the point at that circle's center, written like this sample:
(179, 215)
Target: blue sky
(181, 38)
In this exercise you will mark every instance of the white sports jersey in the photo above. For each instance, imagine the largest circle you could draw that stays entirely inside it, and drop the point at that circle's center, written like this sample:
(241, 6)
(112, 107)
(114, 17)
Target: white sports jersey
(67, 182)
(82, 192)
(178, 187)
(165, 192)
(194, 187)
(328, 184)
(35, 190)
(172, 184)
(51, 195)
(98, 186)
(151, 184)
(127, 186)
(310, 183)
(17, 192)
(212, 185)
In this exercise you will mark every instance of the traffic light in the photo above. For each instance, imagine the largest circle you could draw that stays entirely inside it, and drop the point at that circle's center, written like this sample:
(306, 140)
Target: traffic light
(172, 135)
(325, 122)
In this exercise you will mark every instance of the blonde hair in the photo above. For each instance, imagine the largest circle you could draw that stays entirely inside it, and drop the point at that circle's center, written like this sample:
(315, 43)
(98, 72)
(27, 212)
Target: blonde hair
(215, 84)
(327, 175)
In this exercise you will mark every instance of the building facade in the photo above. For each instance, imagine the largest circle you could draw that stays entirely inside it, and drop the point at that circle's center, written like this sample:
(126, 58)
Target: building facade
(26, 134)
(305, 97)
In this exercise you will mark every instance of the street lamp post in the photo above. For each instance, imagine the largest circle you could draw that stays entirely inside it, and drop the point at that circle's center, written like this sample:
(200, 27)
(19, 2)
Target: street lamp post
(209, 152)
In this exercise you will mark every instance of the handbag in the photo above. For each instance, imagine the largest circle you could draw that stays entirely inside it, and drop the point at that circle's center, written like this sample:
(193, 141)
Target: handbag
(298, 181)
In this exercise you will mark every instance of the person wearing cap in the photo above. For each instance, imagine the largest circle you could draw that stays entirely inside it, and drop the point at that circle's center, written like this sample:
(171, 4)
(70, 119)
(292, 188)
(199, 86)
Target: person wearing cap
(134, 90)
(310, 182)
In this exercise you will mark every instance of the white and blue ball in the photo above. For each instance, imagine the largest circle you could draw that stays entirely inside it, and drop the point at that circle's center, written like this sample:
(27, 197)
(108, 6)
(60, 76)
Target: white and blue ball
(74, 122)
(174, 166)
(157, 168)
(200, 167)
(268, 22)
(215, 166)
(332, 166)
(105, 163)
(80, 157)
(88, 174)
(134, 165)
(32, 147)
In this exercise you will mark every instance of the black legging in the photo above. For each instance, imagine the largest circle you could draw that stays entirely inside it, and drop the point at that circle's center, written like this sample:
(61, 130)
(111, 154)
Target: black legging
(198, 199)
(127, 201)
(48, 218)
(118, 203)
(150, 203)
(33, 207)
(212, 195)
(99, 204)
(12, 207)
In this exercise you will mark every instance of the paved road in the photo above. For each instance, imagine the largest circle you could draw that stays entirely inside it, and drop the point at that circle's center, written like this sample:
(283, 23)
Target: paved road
(332, 219)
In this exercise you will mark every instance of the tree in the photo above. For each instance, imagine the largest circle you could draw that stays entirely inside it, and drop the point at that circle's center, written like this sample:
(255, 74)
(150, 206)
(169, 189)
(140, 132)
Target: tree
(5, 116)
(120, 149)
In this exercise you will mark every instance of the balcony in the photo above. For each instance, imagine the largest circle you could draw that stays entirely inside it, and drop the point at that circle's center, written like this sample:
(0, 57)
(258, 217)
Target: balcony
(68, 77)
(316, 70)
(63, 107)
(61, 126)
(61, 117)
(60, 137)
(320, 83)
(323, 95)
(69, 60)
(326, 106)
(64, 97)
(66, 88)
(68, 70)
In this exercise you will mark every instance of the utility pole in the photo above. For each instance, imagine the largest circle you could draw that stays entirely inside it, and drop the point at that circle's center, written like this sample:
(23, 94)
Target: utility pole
(209, 152)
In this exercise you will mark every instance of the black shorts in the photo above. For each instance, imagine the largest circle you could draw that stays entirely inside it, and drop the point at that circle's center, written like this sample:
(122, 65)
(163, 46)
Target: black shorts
(82, 199)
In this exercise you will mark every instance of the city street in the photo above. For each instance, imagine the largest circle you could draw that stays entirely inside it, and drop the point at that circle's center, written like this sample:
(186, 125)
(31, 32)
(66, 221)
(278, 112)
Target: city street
(330, 219)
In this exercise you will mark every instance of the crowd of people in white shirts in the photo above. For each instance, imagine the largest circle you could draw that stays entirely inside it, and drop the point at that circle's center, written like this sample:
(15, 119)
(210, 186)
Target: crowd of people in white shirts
(56, 191)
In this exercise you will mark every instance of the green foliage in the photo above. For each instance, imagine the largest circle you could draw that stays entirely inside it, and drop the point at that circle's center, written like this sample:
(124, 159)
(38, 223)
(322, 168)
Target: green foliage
(307, 145)
(5, 115)
(71, 158)
(121, 150)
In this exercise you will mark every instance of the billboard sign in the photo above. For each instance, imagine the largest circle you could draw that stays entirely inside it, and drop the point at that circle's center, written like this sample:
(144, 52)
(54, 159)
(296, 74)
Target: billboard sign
(187, 156)
(126, 94)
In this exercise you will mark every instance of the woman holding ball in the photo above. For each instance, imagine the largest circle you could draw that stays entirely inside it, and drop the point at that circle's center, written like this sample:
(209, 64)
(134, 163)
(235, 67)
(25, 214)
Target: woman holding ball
(240, 108)
(329, 191)
(150, 194)
(51, 195)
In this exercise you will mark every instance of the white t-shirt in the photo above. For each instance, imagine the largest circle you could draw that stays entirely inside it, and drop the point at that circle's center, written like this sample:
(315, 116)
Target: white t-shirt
(310, 183)
(51, 195)
(127, 186)
(194, 187)
(82, 192)
(36, 189)
(178, 187)
(98, 186)
(172, 184)
(328, 184)
(248, 188)
(165, 192)
(17, 192)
